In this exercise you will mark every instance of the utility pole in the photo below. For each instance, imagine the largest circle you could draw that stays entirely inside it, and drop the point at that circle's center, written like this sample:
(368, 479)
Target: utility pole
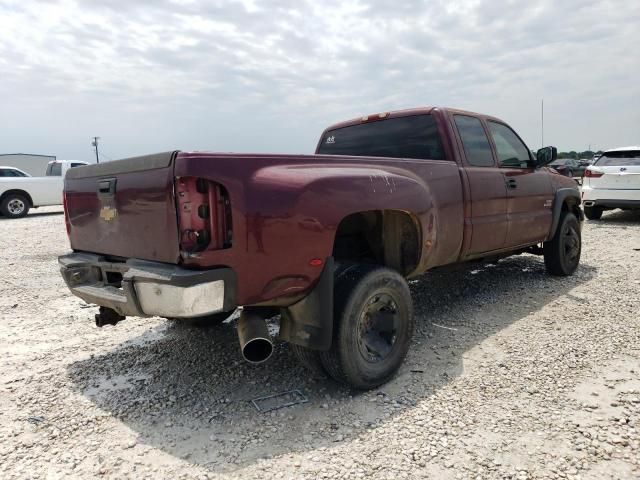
(542, 133)
(94, 143)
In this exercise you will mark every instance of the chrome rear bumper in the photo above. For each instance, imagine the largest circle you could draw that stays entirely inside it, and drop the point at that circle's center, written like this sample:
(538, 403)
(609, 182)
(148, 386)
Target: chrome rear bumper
(145, 289)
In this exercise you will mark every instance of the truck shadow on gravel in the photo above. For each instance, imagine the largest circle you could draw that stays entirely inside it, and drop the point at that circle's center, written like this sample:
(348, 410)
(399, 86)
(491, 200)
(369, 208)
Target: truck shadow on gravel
(187, 391)
(617, 219)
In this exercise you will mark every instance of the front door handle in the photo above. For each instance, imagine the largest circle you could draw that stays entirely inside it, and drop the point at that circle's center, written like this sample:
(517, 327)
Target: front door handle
(511, 183)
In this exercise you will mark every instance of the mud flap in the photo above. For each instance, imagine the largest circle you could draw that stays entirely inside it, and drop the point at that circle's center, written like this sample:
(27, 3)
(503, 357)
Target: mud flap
(309, 322)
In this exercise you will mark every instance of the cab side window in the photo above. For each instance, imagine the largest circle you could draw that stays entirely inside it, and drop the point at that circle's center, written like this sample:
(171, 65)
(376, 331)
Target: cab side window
(474, 140)
(511, 151)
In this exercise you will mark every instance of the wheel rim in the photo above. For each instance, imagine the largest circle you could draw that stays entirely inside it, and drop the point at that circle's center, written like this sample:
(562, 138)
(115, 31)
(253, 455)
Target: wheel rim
(377, 328)
(15, 206)
(571, 244)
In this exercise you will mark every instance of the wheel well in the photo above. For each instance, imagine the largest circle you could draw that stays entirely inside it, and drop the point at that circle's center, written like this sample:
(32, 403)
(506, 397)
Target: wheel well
(385, 237)
(16, 191)
(572, 205)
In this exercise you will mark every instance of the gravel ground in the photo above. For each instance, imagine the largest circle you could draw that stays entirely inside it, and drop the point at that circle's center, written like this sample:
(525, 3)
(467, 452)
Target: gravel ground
(512, 374)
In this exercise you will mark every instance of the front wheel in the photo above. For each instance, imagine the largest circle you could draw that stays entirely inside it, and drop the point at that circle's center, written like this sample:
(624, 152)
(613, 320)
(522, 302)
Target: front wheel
(562, 252)
(373, 326)
(14, 205)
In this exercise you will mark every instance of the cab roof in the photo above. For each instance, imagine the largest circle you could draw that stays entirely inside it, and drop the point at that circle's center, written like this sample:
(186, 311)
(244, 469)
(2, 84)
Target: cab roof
(406, 113)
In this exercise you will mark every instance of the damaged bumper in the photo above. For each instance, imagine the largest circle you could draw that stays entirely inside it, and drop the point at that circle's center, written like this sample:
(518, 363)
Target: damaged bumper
(145, 289)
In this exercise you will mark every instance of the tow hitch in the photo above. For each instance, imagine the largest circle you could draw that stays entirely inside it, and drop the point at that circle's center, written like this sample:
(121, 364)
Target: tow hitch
(108, 316)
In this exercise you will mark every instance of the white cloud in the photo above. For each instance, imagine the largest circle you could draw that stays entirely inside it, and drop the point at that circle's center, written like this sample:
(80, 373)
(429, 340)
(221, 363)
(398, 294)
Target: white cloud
(268, 76)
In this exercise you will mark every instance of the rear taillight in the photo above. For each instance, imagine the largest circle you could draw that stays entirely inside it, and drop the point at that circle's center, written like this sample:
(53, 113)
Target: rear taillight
(66, 213)
(592, 173)
(204, 215)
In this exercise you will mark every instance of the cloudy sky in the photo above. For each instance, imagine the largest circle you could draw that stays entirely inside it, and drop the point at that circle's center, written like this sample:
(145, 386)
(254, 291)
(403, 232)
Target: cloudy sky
(250, 75)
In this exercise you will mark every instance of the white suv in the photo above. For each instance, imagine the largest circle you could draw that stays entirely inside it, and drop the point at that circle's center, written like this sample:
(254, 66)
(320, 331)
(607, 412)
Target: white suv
(613, 181)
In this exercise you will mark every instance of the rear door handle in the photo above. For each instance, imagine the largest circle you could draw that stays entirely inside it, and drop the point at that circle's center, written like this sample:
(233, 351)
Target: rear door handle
(511, 183)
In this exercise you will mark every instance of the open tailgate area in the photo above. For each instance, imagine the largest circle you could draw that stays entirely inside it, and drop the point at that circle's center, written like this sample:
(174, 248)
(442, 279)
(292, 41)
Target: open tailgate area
(124, 208)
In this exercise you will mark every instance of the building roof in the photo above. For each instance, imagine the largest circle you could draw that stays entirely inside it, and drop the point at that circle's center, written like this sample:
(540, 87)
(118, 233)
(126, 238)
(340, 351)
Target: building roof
(26, 154)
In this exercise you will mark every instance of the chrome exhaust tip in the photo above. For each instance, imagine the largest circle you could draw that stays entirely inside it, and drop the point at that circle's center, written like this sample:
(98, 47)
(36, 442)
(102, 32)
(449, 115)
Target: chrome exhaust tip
(255, 342)
(589, 203)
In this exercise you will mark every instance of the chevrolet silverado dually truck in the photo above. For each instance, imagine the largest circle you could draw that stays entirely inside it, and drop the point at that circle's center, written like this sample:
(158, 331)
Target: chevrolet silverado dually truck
(327, 241)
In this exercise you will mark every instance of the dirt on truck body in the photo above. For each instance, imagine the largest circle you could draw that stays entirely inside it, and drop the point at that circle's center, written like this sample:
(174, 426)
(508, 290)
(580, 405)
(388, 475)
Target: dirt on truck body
(325, 240)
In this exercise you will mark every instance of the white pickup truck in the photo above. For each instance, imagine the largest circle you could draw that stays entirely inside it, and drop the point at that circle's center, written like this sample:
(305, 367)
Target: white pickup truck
(20, 192)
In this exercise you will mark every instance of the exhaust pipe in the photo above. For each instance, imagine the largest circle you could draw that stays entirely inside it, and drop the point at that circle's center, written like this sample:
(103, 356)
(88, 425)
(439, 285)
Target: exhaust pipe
(255, 342)
(589, 203)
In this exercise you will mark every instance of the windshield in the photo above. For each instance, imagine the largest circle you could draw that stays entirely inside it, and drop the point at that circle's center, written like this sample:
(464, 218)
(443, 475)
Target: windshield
(619, 159)
(404, 137)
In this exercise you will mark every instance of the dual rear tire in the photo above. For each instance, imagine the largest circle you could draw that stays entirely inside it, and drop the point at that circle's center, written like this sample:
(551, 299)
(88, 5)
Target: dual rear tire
(372, 331)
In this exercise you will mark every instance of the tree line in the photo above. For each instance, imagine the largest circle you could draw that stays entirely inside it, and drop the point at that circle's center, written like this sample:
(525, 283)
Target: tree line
(579, 155)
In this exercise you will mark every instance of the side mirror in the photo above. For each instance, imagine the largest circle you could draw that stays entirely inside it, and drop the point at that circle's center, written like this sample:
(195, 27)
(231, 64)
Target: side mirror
(546, 155)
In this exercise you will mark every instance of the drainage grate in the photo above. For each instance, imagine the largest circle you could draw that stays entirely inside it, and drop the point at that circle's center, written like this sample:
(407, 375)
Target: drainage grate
(279, 400)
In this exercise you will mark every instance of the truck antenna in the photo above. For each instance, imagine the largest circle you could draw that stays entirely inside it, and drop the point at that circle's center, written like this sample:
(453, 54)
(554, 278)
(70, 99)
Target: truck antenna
(542, 132)
(94, 143)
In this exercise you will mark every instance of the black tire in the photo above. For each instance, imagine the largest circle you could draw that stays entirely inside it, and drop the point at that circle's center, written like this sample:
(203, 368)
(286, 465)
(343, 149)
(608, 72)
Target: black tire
(593, 213)
(562, 252)
(373, 326)
(206, 321)
(14, 205)
(309, 359)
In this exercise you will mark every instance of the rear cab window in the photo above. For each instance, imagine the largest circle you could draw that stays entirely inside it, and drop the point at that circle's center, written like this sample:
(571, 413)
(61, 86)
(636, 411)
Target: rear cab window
(54, 170)
(414, 137)
(619, 158)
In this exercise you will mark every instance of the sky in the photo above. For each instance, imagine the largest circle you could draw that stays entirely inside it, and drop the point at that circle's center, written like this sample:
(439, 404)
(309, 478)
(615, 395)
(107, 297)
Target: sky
(268, 76)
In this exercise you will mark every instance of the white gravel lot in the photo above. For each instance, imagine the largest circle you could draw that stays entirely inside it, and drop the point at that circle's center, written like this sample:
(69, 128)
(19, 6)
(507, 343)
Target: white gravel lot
(512, 374)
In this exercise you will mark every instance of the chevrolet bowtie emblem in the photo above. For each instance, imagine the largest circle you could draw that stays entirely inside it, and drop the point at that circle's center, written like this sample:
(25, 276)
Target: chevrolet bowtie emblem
(108, 213)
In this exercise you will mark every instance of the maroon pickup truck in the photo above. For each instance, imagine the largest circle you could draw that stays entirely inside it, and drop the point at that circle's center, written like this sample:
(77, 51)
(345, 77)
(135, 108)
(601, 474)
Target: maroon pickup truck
(326, 241)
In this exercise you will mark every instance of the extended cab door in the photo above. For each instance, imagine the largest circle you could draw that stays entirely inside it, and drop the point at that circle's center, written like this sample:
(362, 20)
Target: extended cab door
(487, 212)
(529, 190)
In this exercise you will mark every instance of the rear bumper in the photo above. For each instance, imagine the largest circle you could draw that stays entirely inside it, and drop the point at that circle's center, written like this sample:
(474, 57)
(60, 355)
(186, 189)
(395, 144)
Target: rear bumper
(610, 198)
(146, 289)
(610, 194)
(612, 203)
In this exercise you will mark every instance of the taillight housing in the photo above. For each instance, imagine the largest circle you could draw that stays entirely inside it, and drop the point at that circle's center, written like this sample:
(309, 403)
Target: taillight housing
(66, 213)
(204, 215)
(592, 173)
